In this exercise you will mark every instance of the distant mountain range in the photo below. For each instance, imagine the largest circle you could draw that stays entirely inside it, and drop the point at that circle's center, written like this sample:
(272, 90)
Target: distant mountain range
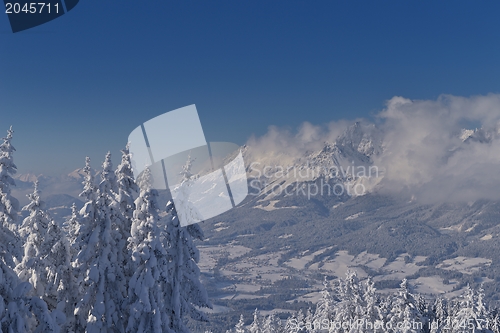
(57, 192)
(435, 242)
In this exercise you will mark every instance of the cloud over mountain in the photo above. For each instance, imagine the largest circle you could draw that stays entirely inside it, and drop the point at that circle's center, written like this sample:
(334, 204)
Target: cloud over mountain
(425, 153)
(436, 150)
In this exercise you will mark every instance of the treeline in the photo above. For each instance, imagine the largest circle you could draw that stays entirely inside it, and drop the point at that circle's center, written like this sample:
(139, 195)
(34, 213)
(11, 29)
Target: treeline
(353, 306)
(117, 265)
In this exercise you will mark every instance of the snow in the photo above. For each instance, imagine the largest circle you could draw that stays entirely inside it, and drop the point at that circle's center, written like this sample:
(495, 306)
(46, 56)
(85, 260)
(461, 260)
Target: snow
(466, 133)
(354, 216)
(464, 265)
(432, 285)
(300, 263)
(271, 206)
(455, 227)
(471, 228)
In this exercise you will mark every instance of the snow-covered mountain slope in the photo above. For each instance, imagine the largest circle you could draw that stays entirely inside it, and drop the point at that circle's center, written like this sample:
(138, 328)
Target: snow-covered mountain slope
(388, 224)
(348, 162)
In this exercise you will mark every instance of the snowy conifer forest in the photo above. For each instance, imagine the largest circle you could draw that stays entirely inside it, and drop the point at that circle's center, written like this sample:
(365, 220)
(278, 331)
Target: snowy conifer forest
(122, 263)
(351, 305)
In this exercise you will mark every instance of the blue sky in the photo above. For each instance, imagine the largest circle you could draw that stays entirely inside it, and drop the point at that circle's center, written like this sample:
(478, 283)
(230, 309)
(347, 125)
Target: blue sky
(78, 85)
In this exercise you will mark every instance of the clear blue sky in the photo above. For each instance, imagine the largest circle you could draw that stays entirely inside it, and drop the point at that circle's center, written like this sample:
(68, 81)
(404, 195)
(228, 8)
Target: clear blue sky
(78, 85)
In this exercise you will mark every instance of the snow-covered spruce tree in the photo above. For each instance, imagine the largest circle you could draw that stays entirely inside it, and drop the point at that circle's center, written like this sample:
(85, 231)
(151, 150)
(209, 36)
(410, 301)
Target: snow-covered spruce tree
(494, 320)
(107, 195)
(185, 289)
(14, 301)
(271, 324)
(33, 230)
(405, 312)
(60, 291)
(240, 326)
(350, 309)
(470, 312)
(187, 211)
(127, 191)
(86, 238)
(127, 188)
(324, 308)
(309, 318)
(292, 324)
(256, 325)
(9, 206)
(302, 324)
(439, 315)
(373, 313)
(149, 282)
(72, 228)
(46, 266)
(97, 266)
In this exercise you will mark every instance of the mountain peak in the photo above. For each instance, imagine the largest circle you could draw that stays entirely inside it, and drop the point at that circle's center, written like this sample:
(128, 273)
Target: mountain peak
(29, 177)
(365, 139)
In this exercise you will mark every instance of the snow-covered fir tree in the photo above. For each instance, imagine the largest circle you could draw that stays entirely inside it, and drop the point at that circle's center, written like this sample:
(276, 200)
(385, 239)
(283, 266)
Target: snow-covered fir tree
(373, 316)
(72, 228)
(9, 206)
(97, 265)
(240, 326)
(439, 315)
(127, 188)
(292, 324)
(256, 325)
(185, 289)
(149, 283)
(324, 308)
(36, 248)
(46, 266)
(271, 324)
(405, 311)
(302, 326)
(187, 211)
(60, 291)
(402, 311)
(15, 304)
(350, 307)
(120, 231)
(470, 312)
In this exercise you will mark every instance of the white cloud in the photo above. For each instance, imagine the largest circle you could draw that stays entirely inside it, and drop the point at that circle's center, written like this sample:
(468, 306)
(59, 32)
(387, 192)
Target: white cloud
(423, 152)
(281, 146)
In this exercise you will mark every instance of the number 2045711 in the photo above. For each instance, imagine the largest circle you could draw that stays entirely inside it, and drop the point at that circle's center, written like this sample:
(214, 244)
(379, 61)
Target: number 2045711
(31, 8)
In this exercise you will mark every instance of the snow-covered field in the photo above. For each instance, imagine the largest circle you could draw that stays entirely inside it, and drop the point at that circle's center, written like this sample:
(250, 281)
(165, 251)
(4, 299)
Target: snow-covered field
(464, 265)
(250, 273)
